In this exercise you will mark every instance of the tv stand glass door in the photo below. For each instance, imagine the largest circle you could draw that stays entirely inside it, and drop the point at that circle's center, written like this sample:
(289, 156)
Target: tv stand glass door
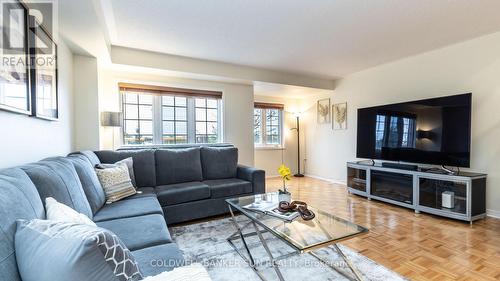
(432, 191)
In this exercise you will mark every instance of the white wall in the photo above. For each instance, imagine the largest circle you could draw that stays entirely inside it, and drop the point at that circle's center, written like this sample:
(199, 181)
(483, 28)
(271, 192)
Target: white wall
(237, 106)
(86, 125)
(472, 66)
(269, 159)
(26, 139)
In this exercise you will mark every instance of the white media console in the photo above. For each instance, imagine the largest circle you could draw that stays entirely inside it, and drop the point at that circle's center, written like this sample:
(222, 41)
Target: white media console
(460, 196)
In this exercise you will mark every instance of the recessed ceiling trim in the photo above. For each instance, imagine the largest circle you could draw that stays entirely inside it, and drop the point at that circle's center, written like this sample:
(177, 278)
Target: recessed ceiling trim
(141, 58)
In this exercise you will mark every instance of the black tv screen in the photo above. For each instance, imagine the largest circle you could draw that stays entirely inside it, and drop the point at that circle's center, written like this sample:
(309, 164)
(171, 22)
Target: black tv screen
(431, 131)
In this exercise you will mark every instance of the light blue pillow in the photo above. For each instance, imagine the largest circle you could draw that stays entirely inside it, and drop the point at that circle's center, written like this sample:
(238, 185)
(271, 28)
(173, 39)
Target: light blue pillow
(49, 251)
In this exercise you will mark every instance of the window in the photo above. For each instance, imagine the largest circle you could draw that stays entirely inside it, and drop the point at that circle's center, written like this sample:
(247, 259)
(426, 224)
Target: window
(138, 118)
(158, 115)
(268, 125)
(207, 116)
(174, 119)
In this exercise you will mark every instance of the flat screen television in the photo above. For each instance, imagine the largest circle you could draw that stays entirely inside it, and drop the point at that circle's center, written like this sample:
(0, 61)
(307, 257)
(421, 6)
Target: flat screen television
(430, 131)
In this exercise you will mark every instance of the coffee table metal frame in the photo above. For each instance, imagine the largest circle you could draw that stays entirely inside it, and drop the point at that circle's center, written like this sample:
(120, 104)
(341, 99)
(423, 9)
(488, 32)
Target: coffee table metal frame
(249, 259)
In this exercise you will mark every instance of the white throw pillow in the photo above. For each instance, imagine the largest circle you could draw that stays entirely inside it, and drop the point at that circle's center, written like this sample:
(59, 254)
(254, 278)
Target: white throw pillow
(56, 211)
(193, 272)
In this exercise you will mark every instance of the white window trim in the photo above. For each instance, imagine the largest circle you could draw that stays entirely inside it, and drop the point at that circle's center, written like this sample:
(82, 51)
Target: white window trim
(158, 122)
(263, 145)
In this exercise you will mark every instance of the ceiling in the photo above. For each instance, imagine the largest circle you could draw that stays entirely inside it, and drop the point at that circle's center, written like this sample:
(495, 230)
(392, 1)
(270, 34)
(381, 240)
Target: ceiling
(324, 38)
(287, 91)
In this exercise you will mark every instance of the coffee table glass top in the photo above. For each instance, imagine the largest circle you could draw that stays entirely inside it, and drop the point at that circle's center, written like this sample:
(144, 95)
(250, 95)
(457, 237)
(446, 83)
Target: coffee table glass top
(304, 235)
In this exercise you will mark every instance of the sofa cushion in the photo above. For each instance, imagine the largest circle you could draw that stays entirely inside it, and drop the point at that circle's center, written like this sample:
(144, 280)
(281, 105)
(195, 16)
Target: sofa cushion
(178, 165)
(219, 162)
(57, 178)
(48, 250)
(228, 187)
(129, 208)
(19, 199)
(89, 155)
(139, 232)
(143, 192)
(157, 259)
(90, 183)
(144, 164)
(182, 192)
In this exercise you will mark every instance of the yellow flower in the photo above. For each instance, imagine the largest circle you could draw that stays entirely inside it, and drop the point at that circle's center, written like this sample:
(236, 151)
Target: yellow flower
(285, 172)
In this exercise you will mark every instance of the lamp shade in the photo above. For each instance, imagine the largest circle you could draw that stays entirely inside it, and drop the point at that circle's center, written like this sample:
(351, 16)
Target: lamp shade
(111, 119)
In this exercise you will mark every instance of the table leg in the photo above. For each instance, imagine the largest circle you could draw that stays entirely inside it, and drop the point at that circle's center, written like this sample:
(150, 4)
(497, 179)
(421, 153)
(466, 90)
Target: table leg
(268, 251)
(238, 228)
(357, 274)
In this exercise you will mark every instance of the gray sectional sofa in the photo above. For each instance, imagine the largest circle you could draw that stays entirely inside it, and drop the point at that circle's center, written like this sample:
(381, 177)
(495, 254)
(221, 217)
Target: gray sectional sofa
(176, 185)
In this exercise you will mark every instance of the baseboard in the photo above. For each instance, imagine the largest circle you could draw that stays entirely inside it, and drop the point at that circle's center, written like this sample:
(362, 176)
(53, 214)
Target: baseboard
(493, 213)
(325, 179)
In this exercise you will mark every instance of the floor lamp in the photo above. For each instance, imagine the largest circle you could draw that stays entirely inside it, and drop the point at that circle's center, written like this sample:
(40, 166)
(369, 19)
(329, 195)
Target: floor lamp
(298, 174)
(111, 119)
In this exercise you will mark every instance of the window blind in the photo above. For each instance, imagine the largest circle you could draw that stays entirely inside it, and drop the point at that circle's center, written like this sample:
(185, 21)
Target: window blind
(161, 90)
(269, 105)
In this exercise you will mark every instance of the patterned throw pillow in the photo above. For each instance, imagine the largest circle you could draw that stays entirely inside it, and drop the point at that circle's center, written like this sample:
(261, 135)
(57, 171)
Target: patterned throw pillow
(47, 249)
(116, 182)
(127, 161)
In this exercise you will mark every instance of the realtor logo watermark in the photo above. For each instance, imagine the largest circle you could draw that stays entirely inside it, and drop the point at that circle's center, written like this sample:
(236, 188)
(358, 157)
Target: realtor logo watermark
(29, 30)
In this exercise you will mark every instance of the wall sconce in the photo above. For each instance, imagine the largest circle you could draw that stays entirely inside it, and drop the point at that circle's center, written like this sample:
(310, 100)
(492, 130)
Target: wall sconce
(421, 134)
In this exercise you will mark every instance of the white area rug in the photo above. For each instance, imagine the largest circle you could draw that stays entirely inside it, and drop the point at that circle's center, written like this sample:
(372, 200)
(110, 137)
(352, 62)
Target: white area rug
(206, 243)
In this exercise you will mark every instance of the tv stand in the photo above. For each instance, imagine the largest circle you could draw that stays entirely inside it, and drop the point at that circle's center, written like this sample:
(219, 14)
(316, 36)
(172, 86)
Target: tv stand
(461, 195)
(400, 166)
(449, 171)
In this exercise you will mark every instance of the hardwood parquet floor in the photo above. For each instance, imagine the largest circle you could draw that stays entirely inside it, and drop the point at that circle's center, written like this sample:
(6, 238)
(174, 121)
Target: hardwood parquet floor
(418, 246)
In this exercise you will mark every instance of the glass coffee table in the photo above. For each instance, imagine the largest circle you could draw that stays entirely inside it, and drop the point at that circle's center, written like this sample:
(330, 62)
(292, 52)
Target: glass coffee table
(302, 236)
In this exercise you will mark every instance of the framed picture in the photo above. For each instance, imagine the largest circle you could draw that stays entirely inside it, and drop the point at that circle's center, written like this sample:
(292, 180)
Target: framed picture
(323, 111)
(43, 51)
(339, 112)
(14, 71)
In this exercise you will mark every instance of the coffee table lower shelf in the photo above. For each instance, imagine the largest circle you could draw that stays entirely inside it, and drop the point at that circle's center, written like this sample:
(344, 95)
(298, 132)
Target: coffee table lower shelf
(249, 259)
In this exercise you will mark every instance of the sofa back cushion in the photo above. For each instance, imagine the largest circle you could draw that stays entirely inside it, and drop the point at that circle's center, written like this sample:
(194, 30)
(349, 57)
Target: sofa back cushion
(57, 178)
(19, 199)
(219, 162)
(90, 155)
(144, 164)
(90, 183)
(178, 165)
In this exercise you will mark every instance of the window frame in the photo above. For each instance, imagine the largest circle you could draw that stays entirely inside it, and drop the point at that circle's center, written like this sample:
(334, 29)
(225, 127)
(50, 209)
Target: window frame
(264, 143)
(138, 104)
(157, 116)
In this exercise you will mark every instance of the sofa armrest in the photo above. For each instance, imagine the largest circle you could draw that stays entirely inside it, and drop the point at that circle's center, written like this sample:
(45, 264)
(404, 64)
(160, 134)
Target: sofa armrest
(255, 176)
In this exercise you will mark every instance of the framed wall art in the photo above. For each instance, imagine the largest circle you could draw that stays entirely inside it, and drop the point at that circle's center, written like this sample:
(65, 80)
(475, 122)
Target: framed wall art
(339, 112)
(14, 71)
(43, 52)
(323, 111)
